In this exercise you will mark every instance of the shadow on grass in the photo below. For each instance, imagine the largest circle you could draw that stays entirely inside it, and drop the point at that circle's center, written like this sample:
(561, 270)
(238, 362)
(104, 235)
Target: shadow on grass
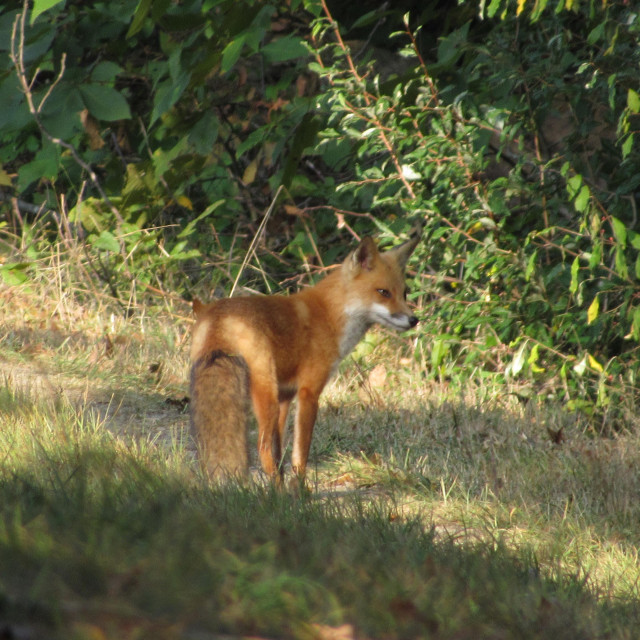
(95, 537)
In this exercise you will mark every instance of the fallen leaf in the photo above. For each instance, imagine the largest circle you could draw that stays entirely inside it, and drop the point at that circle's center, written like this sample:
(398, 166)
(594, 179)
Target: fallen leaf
(378, 376)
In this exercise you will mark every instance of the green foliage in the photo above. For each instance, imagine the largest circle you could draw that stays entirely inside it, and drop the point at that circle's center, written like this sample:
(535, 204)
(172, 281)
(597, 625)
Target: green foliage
(157, 135)
(159, 102)
(515, 153)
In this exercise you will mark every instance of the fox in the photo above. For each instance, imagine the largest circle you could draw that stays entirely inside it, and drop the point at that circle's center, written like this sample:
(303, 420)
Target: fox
(265, 350)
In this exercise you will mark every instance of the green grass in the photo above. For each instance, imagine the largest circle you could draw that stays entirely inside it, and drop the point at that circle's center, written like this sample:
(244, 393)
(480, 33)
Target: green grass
(428, 514)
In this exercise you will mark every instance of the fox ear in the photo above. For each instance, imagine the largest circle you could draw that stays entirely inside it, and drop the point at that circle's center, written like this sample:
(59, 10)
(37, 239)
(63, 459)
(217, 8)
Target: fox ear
(197, 306)
(402, 252)
(364, 256)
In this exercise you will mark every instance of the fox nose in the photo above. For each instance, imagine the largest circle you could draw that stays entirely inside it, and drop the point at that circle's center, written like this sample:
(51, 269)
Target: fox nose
(413, 321)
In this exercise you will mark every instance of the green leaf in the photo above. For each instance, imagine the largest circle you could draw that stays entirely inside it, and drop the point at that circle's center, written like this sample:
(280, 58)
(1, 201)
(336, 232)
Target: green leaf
(167, 95)
(105, 103)
(573, 185)
(61, 112)
(438, 352)
(14, 273)
(138, 17)
(531, 265)
(573, 287)
(621, 264)
(538, 8)
(596, 254)
(188, 230)
(105, 72)
(634, 239)
(633, 101)
(596, 34)
(46, 164)
(532, 360)
(107, 241)
(283, 49)
(14, 114)
(582, 200)
(231, 53)
(494, 5)
(204, 133)
(635, 327)
(619, 231)
(255, 138)
(627, 145)
(40, 6)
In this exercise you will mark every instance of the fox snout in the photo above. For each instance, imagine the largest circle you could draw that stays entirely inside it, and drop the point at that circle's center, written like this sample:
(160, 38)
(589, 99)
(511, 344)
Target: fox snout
(404, 321)
(400, 321)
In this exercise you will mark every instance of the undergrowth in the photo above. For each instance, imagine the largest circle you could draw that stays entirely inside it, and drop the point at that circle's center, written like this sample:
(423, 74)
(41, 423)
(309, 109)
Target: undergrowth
(429, 513)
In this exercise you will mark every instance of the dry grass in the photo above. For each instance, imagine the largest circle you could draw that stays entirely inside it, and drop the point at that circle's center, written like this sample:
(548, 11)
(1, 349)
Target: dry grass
(94, 449)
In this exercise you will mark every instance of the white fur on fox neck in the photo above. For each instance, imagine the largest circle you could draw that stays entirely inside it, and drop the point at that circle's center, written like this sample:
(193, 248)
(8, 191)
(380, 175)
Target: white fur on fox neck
(358, 320)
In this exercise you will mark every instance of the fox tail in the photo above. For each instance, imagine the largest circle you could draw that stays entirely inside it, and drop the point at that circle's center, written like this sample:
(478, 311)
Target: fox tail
(219, 408)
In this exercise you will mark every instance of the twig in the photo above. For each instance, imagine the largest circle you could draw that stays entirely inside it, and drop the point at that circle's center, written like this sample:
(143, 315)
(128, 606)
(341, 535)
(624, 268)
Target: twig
(27, 207)
(256, 238)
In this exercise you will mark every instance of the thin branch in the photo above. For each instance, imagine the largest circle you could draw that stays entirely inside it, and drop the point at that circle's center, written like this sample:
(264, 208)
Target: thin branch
(256, 238)
(367, 98)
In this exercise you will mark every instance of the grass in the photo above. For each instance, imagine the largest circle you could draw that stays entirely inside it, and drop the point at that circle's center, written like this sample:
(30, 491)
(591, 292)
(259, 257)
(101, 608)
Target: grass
(430, 514)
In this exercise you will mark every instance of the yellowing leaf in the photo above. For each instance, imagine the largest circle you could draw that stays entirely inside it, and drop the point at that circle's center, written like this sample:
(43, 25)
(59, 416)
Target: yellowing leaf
(5, 178)
(185, 202)
(593, 310)
(250, 172)
(594, 364)
(520, 8)
(533, 359)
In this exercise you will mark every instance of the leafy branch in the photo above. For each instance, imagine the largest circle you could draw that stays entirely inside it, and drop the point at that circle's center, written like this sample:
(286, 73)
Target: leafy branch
(17, 58)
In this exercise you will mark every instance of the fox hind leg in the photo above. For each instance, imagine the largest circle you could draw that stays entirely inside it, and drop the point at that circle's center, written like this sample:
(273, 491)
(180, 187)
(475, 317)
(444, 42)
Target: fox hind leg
(264, 396)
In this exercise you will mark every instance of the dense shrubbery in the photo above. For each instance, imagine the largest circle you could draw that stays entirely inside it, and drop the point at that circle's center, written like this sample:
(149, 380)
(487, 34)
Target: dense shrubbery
(509, 135)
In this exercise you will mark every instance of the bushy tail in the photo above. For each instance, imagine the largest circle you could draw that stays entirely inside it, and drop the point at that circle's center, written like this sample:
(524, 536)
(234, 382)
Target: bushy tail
(219, 404)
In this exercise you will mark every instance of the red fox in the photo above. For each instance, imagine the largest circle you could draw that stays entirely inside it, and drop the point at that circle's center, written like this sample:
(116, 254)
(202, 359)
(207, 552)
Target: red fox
(272, 348)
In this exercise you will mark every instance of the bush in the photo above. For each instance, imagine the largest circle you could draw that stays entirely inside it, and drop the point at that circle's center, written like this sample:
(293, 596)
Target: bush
(157, 135)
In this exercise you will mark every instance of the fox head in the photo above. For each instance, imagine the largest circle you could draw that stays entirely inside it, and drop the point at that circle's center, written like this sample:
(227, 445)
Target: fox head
(375, 286)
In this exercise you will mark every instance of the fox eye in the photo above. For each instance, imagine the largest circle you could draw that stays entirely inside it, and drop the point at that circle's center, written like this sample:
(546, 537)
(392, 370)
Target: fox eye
(384, 293)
